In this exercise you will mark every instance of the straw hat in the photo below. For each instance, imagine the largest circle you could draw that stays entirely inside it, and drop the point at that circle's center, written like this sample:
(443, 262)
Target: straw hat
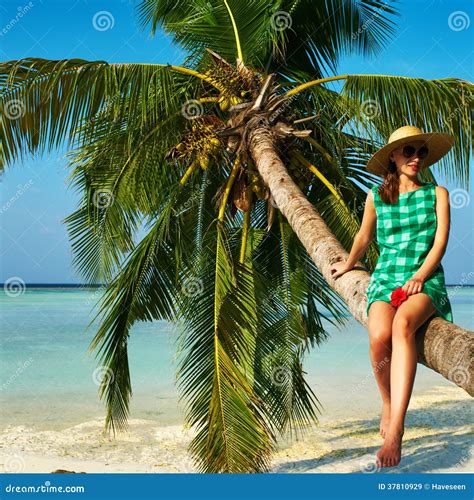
(438, 145)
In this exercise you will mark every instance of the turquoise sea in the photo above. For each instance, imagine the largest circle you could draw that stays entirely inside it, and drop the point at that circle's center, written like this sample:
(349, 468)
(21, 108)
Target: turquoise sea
(48, 380)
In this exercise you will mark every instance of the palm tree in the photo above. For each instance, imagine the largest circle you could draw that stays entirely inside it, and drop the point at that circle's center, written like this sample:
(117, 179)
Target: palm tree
(247, 173)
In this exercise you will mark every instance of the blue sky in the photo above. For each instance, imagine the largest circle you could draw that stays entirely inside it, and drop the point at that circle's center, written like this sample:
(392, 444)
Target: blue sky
(34, 195)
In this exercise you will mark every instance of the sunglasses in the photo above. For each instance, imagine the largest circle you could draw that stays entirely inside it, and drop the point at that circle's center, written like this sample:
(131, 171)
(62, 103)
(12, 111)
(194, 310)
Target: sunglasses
(409, 151)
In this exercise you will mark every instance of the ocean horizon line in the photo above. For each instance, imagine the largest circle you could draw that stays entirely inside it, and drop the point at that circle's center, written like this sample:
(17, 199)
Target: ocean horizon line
(99, 285)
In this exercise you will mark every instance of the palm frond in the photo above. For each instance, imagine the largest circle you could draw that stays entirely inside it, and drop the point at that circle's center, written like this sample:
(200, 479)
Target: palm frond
(44, 103)
(214, 374)
(122, 179)
(287, 290)
(196, 25)
(144, 290)
(442, 105)
(286, 35)
(320, 32)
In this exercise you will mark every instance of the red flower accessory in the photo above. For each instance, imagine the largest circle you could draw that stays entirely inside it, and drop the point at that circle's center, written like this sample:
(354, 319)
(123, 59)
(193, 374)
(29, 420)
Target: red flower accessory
(398, 296)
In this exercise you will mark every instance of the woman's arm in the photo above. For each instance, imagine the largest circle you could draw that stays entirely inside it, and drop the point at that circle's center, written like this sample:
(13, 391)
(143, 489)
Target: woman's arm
(432, 260)
(361, 240)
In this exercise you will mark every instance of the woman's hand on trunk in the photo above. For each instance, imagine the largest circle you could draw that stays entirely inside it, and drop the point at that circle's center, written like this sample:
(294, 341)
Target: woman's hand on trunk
(339, 268)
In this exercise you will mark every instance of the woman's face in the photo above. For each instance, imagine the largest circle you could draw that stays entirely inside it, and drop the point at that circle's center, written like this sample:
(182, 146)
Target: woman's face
(412, 165)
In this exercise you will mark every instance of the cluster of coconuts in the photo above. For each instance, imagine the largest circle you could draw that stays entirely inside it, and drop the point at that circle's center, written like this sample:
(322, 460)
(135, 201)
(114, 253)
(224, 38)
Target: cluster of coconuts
(229, 79)
(210, 149)
(227, 101)
(201, 141)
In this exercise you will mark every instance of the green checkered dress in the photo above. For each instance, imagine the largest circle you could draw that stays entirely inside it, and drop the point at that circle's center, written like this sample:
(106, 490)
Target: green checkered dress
(405, 233)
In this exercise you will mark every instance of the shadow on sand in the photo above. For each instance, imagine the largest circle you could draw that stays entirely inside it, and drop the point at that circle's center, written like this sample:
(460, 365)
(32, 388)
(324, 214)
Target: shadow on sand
(446, 447)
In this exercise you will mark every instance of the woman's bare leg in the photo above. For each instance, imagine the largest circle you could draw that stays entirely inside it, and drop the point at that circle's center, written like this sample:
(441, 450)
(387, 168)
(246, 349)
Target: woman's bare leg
(380, 320)
(409, 317)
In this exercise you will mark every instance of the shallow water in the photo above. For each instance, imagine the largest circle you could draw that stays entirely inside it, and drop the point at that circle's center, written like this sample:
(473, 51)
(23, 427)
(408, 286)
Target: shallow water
(48, 379)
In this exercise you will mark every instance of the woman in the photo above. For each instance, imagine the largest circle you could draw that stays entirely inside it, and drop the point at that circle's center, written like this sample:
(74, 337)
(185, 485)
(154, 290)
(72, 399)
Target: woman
(412, 221)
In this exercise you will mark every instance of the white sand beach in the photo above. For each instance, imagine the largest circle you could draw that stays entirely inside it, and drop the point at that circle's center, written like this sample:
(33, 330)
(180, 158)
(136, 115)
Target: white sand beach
(438, 438)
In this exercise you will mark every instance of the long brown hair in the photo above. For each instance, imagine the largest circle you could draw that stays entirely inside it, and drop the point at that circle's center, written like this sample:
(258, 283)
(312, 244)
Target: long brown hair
(388, 190)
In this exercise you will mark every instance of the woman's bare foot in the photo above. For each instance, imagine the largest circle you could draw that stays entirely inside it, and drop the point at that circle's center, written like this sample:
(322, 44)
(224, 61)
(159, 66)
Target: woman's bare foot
(390, 453)
(385, 419)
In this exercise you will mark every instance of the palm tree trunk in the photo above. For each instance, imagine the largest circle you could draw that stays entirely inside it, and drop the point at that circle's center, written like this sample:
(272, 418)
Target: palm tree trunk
(442, 346)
